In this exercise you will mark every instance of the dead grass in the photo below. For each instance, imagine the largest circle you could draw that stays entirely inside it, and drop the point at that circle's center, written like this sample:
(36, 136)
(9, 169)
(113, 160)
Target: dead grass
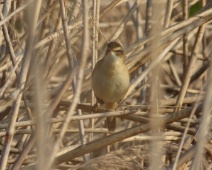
(47, 52)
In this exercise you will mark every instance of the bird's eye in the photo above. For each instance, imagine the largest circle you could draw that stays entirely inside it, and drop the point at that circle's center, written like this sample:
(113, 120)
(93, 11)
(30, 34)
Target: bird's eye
(119, 52)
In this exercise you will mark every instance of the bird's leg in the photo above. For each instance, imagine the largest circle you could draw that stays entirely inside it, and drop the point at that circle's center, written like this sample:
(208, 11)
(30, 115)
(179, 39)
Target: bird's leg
(98, 102)
(95, 106)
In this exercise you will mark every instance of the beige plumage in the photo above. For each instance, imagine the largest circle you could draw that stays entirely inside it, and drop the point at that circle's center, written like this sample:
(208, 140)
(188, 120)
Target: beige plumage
(110, 79)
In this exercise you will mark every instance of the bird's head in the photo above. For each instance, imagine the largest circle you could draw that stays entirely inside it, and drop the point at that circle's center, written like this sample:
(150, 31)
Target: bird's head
(116, 48)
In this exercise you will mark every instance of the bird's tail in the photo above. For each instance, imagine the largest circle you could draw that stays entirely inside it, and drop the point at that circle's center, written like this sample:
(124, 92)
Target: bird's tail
(111, 121)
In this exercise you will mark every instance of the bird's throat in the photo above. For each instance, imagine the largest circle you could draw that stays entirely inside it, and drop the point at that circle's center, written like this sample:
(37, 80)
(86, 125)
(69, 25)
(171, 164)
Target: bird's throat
(111, 60)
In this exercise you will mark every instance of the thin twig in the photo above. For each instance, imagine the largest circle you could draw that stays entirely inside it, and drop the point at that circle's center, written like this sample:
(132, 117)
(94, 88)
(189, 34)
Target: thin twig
(21, 83)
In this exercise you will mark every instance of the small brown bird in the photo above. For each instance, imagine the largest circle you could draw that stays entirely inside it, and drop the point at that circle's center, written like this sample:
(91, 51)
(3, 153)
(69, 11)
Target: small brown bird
(110, 79)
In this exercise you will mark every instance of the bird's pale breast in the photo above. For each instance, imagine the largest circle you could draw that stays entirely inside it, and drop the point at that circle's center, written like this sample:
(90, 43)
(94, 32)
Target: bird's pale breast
(110, 81)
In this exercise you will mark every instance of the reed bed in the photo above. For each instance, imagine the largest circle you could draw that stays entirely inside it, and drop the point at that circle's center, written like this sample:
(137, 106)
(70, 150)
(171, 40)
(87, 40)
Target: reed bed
(48, 50)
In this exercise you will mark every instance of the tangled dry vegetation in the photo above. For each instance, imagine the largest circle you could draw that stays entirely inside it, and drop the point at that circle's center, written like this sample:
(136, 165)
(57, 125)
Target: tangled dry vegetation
(47, 53)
